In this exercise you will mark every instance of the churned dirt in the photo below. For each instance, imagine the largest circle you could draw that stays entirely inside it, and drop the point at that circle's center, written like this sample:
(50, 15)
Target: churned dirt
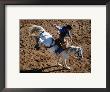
(38, 61)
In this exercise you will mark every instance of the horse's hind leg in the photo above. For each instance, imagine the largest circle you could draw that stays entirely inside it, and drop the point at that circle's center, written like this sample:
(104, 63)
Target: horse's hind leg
(38, 44)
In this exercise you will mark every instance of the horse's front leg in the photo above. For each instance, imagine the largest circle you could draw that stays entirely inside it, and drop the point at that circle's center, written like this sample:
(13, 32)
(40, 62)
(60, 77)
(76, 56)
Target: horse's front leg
(66, 64)
(59, 61)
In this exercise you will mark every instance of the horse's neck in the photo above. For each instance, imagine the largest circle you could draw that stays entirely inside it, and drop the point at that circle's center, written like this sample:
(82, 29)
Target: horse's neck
(73, 49)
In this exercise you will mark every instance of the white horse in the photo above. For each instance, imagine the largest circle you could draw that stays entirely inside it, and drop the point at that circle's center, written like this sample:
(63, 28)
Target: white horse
(46, 39)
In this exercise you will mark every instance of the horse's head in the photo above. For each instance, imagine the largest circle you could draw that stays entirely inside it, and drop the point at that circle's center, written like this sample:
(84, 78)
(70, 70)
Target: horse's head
(77, 50)
(80, 53)
(35, 30)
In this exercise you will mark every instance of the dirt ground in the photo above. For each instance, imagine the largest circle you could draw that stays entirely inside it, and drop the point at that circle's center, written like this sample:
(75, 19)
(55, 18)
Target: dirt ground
(42, 61)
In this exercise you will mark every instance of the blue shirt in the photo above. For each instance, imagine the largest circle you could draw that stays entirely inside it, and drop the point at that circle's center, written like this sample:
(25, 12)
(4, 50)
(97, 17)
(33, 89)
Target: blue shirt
(64, 32)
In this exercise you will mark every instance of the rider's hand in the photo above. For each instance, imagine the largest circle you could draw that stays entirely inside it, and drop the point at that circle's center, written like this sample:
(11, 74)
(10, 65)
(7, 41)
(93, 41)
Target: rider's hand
(55, 25)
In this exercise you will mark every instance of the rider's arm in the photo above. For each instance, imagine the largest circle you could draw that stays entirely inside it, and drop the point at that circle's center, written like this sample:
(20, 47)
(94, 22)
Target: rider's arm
(58, 27)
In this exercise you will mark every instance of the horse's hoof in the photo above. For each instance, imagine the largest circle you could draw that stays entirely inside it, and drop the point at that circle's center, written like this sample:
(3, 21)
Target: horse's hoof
(68, 68)
(59, 64)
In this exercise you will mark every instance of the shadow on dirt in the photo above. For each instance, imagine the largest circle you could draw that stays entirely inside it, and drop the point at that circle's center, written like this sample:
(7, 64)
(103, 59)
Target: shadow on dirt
(42, 70)
(32, 71)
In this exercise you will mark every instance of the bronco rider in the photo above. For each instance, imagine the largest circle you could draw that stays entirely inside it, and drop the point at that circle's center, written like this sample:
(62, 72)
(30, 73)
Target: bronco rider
(64, 31)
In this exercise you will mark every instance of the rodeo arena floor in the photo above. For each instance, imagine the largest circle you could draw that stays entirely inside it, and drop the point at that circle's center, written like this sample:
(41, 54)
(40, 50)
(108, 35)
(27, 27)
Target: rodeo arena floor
(41, 60)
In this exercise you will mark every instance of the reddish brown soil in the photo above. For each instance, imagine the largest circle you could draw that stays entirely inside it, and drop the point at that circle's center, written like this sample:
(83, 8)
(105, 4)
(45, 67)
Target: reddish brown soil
(32, 60)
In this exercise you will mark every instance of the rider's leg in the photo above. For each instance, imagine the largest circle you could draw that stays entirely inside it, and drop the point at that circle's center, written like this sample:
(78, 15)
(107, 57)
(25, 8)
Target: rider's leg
(67, 43)
(61, 38)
